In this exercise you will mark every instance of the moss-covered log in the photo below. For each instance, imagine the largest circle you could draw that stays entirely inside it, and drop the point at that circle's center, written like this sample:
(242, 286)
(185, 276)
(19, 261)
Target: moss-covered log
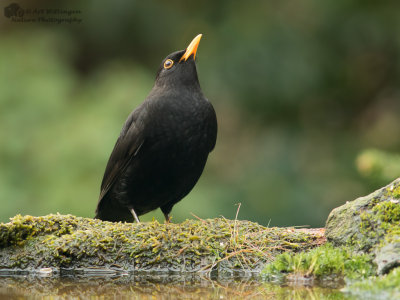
(69, 242)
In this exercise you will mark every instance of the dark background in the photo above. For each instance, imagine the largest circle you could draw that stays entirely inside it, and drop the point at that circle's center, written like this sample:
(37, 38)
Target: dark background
(306, 92)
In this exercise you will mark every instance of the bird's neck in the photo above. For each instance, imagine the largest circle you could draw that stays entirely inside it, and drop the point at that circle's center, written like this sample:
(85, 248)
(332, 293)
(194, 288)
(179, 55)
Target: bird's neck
(192, 90)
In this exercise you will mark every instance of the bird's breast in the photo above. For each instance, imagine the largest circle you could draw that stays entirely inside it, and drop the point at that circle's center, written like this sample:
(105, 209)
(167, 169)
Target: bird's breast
(180, 129)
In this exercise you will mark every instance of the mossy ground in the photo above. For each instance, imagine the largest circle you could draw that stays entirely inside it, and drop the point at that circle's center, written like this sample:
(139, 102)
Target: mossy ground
(60, 241)
(324, 262)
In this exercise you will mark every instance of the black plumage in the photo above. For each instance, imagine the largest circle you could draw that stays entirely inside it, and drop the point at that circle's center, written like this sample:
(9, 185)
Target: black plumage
(163, 146)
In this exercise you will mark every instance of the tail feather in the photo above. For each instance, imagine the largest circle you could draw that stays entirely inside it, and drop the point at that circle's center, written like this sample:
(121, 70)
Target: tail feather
(108, 210)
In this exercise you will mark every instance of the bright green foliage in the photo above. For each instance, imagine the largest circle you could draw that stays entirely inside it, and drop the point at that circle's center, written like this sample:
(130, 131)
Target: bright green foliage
(320, 262)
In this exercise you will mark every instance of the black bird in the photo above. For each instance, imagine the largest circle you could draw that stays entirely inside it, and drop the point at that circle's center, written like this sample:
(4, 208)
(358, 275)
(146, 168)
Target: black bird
(163, 146)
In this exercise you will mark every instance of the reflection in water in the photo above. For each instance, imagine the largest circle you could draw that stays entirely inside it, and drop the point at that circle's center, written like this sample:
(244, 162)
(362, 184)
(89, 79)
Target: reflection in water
(153, 287)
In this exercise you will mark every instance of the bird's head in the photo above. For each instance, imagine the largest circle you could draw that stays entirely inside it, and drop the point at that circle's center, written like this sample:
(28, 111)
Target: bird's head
(179, 68)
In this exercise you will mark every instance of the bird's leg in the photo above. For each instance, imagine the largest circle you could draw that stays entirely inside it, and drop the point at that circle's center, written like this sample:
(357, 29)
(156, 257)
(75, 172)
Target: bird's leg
(134, 215)
(166, 209)
(167, 218)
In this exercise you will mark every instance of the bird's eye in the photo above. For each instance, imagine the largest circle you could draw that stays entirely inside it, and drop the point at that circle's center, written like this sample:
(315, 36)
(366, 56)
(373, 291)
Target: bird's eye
(168, 63)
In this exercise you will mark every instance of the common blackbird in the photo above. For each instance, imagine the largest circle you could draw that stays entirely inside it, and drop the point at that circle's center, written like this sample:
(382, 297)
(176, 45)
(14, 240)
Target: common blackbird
(163, 146)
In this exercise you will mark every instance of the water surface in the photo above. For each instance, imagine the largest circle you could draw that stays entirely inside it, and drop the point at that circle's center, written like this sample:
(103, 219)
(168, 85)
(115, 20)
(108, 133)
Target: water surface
(154, 286)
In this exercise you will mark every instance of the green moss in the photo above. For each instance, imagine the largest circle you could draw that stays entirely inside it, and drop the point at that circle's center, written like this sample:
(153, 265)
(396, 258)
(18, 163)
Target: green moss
(393, 190)
(396, 192)
(379, 287)
(23, 228)
(381, 224)
(319, 263)
(194, 245)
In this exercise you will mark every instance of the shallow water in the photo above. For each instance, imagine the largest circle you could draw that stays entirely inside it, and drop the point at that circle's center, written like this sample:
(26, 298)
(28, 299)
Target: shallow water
(160, 286)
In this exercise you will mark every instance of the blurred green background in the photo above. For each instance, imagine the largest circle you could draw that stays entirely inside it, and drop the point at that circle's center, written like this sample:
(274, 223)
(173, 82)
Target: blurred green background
(306, 92)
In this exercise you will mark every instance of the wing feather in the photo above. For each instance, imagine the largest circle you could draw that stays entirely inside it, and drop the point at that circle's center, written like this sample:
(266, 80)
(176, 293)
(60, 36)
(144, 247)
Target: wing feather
(126, 148)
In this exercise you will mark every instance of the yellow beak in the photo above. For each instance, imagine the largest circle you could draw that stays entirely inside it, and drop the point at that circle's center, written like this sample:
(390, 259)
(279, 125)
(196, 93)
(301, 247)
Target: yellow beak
(192, 48)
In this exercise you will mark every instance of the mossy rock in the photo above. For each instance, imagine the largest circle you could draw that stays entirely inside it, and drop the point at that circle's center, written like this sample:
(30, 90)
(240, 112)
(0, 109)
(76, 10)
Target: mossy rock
(371, 224)
(68, 242)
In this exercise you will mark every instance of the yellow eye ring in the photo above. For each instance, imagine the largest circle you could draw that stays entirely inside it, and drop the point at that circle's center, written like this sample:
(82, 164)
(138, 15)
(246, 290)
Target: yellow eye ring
(168, 64)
